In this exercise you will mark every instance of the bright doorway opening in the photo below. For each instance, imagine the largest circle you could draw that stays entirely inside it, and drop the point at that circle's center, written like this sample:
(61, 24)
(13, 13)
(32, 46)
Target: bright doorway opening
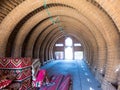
(59, 55)
(68, 53)
(78, 55)
(68, 49)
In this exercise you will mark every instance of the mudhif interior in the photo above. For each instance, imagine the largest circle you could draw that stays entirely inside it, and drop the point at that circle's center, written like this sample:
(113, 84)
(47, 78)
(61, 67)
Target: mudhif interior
(59, 44)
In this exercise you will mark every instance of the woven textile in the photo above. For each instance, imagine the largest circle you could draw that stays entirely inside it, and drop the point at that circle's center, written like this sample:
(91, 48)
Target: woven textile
(4, 83)
(21, 73)
(20, 85)
(15, 63)
(19, 66)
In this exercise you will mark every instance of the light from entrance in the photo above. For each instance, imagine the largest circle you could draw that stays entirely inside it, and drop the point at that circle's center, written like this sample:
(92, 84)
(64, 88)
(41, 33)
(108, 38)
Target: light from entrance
(68, 49)
(59, 55)
(68, 53)
(78, 55)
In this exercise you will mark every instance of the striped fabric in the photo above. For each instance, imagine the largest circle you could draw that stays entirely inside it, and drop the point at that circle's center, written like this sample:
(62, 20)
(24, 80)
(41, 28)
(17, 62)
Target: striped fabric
(4, 83)
(65, 83)
(58, 82)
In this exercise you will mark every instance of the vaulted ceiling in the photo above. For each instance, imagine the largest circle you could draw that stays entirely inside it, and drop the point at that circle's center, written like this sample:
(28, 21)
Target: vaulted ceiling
(27, 29)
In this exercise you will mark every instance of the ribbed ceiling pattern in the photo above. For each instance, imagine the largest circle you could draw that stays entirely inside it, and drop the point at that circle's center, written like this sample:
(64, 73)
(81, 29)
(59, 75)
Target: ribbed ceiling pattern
(27, 31)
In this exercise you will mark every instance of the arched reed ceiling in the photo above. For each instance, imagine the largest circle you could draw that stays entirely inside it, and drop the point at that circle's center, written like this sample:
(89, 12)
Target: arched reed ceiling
(110, 7)
(42, 26)
(32, 22)
(100, 18)
(53, 39)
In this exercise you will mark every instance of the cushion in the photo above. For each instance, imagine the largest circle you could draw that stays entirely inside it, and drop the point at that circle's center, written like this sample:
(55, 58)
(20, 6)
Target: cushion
(4, 83)
(35, 68)
(39, 78)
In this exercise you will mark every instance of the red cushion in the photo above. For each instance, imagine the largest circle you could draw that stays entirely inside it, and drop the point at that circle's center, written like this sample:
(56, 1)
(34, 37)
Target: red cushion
(54, 83)
(4, 83)
(65, 83)
(40, 78)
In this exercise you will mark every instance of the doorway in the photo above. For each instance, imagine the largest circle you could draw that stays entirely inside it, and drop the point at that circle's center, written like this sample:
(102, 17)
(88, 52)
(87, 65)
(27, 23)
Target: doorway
(68, 49)
(68, 53)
